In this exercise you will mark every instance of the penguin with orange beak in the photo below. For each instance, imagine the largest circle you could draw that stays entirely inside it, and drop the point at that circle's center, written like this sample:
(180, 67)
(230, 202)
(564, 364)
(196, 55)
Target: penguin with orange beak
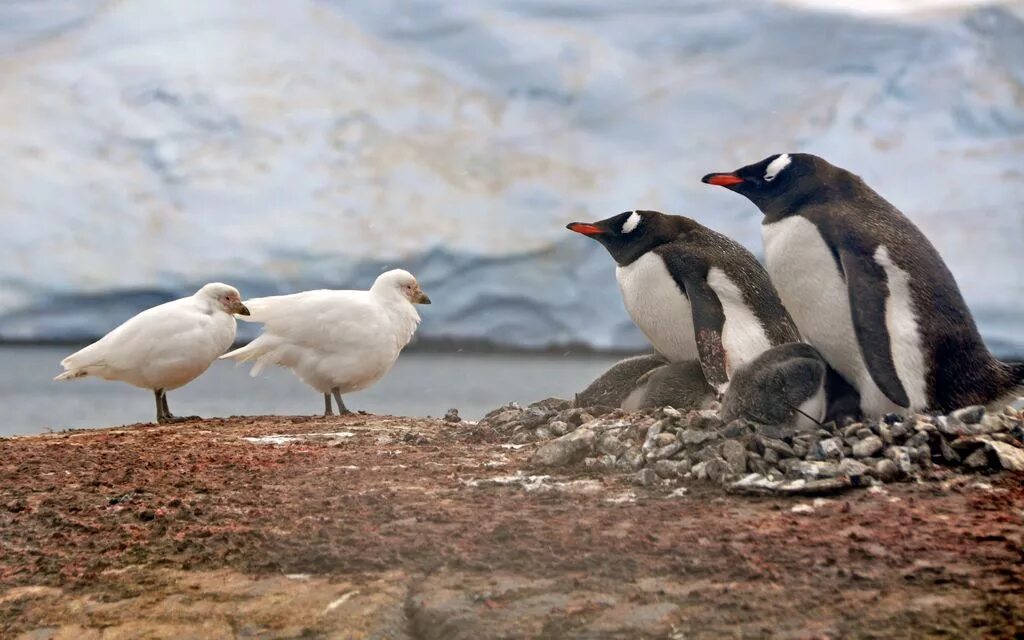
(694, 293)
(868, 290)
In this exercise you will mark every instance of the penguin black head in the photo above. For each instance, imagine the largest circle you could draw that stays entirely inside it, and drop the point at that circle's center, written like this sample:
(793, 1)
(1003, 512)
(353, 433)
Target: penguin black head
(776, 180)
(631, 234)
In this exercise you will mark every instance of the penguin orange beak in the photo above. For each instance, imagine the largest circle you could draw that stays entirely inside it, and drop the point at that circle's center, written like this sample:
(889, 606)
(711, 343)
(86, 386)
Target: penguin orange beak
(585, 228)
(722, 179)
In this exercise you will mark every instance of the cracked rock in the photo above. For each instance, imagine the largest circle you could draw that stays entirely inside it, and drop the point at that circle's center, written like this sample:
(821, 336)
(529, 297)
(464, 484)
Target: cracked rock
(867, 447)
(568, 449)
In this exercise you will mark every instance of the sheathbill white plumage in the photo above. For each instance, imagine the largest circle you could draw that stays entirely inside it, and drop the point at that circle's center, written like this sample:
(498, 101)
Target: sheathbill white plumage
(336, 341)
(165, 347)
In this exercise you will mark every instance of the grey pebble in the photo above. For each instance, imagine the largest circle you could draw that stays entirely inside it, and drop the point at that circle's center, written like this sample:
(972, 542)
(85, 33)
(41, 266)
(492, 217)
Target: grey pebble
(886, 470)
(559, 428)
(645, 477)
(666, 468)
(977, 460)
(568, 449)
(736, 455)
(851, 467)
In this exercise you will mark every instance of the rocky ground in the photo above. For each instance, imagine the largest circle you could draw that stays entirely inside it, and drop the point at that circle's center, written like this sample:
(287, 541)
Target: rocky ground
(381, 527)
(667, 446)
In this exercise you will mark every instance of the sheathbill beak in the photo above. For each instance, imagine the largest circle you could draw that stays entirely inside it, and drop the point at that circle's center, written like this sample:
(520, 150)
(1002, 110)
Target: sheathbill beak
(422, 298)
(722, 179)
(239, 309)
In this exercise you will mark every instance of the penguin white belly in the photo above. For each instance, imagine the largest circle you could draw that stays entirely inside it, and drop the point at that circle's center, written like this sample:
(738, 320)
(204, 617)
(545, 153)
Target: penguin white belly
(743, 336)
(811, 287)
(658, 307)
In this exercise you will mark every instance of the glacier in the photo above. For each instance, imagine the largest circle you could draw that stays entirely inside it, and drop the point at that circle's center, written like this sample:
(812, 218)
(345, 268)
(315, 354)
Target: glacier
(150, 146)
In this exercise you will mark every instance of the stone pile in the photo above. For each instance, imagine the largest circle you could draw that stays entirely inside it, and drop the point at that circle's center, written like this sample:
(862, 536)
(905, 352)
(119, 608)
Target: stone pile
(667, 446)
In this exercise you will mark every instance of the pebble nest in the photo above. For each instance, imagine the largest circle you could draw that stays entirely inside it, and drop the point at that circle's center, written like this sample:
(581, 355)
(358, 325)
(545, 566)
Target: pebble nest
(668, 446)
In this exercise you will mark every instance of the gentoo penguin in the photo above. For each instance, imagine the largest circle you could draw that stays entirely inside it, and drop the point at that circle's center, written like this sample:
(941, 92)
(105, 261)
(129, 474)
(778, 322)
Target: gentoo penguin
(867, 289)
(693, 292)
(680, 385)
(783, 385)
(613, 386)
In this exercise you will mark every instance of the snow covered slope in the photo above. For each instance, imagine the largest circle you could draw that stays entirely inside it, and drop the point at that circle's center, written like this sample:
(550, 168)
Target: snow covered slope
(148, 146)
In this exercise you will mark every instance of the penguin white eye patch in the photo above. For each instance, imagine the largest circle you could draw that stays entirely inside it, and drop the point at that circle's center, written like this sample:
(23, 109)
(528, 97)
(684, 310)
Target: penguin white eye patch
(776, 166)
(631, 222)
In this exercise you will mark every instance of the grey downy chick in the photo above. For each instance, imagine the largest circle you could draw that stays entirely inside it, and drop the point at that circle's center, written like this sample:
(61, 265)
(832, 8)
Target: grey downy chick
(679, 384)
(612, 387)
(783, 386)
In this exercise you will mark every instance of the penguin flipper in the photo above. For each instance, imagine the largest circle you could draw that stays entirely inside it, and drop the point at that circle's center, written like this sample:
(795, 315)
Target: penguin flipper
(708, 320)
(867, 289)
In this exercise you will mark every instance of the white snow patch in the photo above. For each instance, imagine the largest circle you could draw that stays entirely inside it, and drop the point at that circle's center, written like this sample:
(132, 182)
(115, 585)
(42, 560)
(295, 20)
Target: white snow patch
(536, 483)
(340, 601)
(620, 498)
(299, 437)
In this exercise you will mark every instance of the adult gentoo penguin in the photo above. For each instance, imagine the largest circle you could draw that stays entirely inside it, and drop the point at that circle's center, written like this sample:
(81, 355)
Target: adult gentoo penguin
(867, 289)
(693, 292)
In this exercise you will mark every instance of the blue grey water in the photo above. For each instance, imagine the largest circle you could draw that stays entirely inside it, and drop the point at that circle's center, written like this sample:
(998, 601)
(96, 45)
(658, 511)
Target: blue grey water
(421, 384)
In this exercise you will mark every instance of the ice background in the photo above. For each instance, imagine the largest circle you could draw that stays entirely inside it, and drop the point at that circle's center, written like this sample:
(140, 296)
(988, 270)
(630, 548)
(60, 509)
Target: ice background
(149, 146)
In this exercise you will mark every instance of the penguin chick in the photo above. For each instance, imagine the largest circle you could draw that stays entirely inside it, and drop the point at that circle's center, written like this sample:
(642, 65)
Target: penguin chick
(612, 387)
(783, 386)
(680, 385)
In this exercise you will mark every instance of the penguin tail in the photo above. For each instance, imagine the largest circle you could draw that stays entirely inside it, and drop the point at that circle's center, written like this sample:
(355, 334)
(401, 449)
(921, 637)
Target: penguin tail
(1017, 372)
(1012, 388)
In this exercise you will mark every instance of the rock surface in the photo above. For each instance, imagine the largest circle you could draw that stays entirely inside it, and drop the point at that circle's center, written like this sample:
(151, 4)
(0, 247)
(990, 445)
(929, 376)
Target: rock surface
(566, 450)
(678, 447)
(416, 529)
